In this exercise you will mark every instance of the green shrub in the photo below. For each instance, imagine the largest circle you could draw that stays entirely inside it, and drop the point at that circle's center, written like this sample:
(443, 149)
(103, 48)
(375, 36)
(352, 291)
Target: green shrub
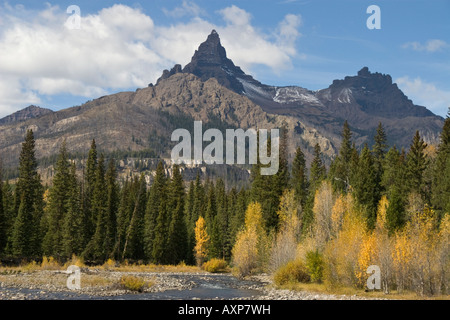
(215, 265)
(132, 283)
(315, 265)
(293, 271)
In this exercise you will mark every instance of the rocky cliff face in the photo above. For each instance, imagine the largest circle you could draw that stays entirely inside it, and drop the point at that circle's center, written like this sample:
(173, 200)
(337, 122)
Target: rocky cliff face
(363, 100)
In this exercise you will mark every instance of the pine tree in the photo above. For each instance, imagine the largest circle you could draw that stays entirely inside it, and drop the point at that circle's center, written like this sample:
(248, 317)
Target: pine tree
(441, 172)
(223, 220)
(58, 205)
(299, 177)
(28, 203)
(21, 232)
(3, 218)
(379, 151)
(8, 209)
(155, 205)
(134, 241)
(189, 204)
(177, 237)
(95, 250)
(197, 209)
(73, 241)
(90, 181)
(317, 175)
(112, 207)
(128, 197)
(340, 171)
(416, 164)
(318, 171)
(366, 189)
(395, 213)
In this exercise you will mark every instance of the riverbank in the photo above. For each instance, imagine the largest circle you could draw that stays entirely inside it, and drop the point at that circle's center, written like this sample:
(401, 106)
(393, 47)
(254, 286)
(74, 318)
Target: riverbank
(194, 284)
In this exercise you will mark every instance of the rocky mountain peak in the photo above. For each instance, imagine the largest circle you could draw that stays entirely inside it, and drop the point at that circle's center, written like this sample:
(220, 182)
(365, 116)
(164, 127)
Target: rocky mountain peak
(210, 61)
(29, 112)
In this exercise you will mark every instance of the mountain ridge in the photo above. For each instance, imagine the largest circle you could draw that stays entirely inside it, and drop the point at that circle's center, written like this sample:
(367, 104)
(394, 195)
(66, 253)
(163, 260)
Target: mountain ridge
(213, 89)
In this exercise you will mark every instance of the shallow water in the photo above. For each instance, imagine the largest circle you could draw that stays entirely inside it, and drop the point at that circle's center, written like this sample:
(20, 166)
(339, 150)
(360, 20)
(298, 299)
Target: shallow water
(205, 288)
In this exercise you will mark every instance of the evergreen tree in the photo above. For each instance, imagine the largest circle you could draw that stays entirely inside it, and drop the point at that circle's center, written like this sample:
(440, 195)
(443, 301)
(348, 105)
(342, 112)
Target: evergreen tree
(441, 172)
(58, 205)
(177, 237)
(223, 220)
(22, 230)
(395, 213)
(340, 169)
(128, 197)
(28, 203)
(317, 175)
(8, 209)
(3, 218)
(318, 171)
(134, 241)
(365, 188)
(73, 241)
(197, 209)
(416, 164)
(394, 171)
(379, 151)
(112, 207)
(155, 206)
(189, 204)
(90, 182)
(299, 177)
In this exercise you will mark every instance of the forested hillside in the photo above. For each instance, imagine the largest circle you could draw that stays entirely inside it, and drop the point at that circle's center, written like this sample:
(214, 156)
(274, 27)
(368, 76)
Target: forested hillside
(378, 205)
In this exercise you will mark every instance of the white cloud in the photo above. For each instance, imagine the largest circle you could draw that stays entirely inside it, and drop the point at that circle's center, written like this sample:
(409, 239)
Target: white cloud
(432, 45)
(118, 48)
(426, 94)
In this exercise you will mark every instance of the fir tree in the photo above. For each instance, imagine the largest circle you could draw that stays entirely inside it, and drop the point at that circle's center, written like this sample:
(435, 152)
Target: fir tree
(416, 162)
(197, 209)
(58, 205)
(223, 220)
(128, 197)
(22, 230)
(90, 182)
(73, 241)
(134, 241)
(395, 213)
(155, 205)
(28, 198)
(299, 177)
(340, 169)
(318, 171)
(177, 237)
(317, 175)
(3, 218)
(112, 207)
(365, 188)
(379, 151)
(189, 204)
(441, 172)
(8, 209)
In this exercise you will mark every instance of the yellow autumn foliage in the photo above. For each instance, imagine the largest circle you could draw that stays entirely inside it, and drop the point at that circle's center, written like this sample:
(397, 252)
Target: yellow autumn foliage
(201, 241)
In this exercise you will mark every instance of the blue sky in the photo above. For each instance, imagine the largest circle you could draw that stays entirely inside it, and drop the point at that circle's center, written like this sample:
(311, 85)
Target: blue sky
(125, 45)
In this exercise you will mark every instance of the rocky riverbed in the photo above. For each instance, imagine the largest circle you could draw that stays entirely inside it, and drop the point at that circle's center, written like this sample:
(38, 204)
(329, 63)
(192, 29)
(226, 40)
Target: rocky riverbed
(105, 284)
